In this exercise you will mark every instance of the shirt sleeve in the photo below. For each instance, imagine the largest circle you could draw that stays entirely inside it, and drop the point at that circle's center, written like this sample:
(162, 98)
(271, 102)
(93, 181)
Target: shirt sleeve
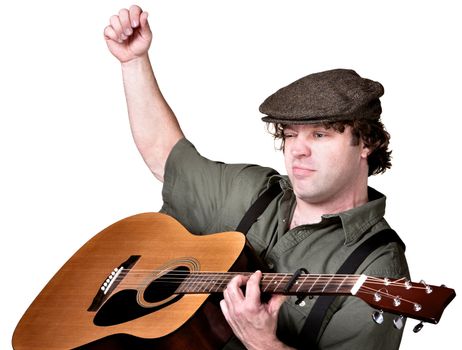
(365, 334)
(209, 196)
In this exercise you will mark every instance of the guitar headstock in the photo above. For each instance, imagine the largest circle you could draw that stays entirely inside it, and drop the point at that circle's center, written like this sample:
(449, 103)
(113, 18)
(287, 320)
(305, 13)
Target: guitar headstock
(402, 297)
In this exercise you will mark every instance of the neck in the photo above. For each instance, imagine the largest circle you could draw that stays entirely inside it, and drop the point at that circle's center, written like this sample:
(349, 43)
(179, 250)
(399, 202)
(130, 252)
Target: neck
(307, 212)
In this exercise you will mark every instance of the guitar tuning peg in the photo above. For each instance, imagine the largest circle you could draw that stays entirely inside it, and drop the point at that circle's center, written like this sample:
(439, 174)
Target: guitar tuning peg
(418, 327)
(377, 316)
(398, 322)
(428, 289)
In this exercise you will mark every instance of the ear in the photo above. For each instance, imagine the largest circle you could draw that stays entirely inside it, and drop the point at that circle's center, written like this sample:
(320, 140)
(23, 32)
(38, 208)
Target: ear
(365, 151)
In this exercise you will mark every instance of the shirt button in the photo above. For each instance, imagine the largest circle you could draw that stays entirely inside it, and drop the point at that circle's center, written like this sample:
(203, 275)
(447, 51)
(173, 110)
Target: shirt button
(271, 265)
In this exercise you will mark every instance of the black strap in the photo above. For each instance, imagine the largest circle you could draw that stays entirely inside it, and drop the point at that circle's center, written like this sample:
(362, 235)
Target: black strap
(312, 326)
(258, 207)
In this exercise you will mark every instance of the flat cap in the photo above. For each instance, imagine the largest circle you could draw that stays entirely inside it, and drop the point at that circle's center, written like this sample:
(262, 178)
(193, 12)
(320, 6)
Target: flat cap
(334, 95)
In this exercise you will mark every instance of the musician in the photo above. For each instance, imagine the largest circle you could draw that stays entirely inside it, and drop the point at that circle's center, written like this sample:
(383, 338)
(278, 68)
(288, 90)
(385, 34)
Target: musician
(332, 140)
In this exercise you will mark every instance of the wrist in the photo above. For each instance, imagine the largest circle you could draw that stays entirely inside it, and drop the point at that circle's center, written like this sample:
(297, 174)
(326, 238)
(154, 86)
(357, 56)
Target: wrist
(272, 343)
(135, 62)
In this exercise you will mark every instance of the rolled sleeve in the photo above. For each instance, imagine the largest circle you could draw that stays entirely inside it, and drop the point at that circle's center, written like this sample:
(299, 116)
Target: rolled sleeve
(208, 196)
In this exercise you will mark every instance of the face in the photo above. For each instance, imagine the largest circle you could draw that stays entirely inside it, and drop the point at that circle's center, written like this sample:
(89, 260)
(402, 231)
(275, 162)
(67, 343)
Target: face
(322, 164)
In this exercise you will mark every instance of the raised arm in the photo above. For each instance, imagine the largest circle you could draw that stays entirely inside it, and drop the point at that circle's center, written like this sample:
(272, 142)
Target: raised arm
(153, 124)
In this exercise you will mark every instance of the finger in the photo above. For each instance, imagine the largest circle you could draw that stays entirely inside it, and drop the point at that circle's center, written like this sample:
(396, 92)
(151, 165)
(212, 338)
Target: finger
(275, 303)
(227, 314)
(252, 292)
(224, 309)
(115, 24)
(233, 291)
(134, 13)
(144, 25)
(110, 34)
(124, 19)
(238, 281)
(228, 303)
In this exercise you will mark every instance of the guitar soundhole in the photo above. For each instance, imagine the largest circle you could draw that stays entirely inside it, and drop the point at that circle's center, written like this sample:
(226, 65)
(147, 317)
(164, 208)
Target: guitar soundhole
(166, 285)
(123, 306)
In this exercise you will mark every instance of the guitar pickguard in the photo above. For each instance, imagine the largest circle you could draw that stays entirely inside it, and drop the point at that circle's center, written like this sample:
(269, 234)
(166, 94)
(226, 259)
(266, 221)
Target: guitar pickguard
(124, 305)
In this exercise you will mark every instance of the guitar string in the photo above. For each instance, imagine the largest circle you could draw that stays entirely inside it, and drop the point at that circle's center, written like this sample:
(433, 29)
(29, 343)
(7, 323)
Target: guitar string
(215, 285)
(265, 275)
(181, 276)
(364, 289)
(217, 276)
(223, 277)
(279, 276)
(201, 278)
(370, 291)
(205, 279)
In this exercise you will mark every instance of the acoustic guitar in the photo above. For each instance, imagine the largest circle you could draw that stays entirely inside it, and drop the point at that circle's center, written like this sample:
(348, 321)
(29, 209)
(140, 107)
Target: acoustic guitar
(145, 282)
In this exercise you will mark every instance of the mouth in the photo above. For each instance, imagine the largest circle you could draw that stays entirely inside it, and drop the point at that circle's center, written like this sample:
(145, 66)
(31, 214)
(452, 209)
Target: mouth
(302, 172)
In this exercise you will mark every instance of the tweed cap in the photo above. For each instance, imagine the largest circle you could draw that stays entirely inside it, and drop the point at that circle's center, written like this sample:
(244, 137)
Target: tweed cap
(334, 95)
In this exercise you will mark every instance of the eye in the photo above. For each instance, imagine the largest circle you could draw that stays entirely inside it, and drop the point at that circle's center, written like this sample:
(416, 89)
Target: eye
(319, 135)
(288, 134)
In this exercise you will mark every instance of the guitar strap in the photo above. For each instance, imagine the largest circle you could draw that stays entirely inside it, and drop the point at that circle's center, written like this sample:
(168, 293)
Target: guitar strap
(312, 327)
(258, 207)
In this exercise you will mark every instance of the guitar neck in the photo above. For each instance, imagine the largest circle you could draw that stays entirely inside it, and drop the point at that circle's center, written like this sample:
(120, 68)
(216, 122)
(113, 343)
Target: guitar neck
(400, 296)
(275, 283)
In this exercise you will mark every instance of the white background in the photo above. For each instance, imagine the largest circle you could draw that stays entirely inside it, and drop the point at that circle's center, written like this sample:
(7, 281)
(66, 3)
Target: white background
(69, 167)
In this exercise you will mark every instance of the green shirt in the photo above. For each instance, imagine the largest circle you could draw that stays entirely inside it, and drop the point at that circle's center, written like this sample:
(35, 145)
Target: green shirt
(208, 197)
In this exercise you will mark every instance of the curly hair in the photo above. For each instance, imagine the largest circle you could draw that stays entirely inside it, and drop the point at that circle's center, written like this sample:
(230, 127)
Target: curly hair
(371, 132)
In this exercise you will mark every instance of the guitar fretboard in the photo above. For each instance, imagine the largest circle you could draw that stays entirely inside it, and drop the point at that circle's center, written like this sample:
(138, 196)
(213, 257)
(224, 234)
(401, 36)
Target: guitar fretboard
(275, 283)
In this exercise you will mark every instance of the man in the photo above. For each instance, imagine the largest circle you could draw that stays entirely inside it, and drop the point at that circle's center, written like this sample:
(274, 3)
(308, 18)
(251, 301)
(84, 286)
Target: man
(332, 141)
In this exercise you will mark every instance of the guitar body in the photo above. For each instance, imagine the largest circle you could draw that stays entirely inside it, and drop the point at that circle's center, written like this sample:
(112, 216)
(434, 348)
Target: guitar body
(72, 311)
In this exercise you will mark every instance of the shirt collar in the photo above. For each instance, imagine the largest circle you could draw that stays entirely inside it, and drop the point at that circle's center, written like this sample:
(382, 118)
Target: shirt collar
(359, 220)
(356, 221)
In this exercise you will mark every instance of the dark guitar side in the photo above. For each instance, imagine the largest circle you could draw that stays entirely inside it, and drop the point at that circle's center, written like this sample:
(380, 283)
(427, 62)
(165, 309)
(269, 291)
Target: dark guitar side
(58, 317)
(207, 330)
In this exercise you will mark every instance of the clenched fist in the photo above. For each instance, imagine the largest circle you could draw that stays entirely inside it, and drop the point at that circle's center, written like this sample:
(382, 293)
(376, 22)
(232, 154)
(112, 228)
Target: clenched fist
(128, 36)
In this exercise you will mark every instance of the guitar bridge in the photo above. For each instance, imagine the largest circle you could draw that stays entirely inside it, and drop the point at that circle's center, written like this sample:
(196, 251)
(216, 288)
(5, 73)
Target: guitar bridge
(111, 282)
